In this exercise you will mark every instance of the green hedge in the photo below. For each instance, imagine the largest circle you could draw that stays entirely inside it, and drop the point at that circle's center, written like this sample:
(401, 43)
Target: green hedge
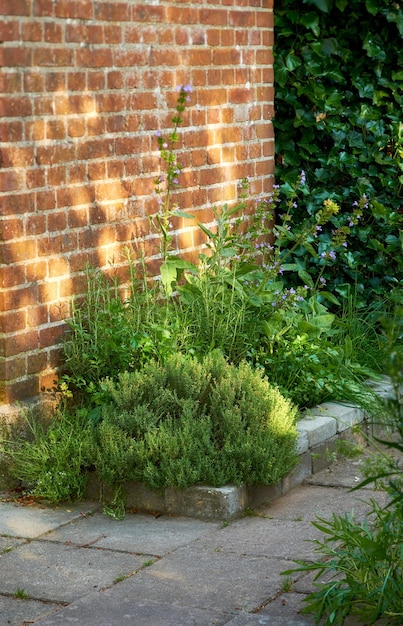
(339, 98)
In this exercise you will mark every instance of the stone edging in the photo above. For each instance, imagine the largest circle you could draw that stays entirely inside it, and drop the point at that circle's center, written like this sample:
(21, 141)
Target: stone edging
(319, 431)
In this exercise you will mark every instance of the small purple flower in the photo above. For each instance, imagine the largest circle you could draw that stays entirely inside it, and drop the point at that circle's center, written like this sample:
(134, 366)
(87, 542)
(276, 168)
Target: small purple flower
(175, 181)
(157, 133)
(187, 88)
(351, 223)
(322, 280)
(300, 298)
(165, 145)
(332, 255)
(303, 177)
(292, 291)
(344, 244)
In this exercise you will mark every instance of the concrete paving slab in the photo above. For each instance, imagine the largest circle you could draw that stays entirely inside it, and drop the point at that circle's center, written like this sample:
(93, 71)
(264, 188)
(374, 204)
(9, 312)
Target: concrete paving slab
(265, 620)
(343, 473)
(307, 502)
(9, 543)
(287, 607)
(104, 611)
(139, 533)
(60, 573)
(256, 536)
(15, 612)
(206, 579)
(22, 521)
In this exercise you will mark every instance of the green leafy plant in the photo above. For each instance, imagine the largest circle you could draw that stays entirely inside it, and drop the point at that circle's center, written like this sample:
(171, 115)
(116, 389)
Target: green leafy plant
(52, 463)
(338, 100)
(360, 572)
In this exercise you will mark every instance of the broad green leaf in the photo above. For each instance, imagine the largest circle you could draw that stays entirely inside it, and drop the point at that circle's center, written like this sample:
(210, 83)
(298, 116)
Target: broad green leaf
(372, 6)
(311, 20)
(330, 297)
(168, 276)
(292, 61)
(323, 321)
(306, 278)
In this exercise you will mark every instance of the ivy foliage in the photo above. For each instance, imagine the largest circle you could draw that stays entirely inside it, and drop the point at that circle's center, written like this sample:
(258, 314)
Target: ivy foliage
(339, 99)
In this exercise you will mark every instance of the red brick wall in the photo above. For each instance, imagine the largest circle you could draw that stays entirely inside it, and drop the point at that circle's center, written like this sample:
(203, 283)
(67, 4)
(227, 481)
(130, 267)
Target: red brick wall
(84, 84)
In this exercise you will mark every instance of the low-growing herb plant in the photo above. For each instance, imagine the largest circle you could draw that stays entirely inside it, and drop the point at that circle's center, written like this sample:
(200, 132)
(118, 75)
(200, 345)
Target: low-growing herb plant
(195, 422)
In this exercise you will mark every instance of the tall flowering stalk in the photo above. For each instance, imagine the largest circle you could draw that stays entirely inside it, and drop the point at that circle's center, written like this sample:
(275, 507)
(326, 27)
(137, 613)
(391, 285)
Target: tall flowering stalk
(166, 183)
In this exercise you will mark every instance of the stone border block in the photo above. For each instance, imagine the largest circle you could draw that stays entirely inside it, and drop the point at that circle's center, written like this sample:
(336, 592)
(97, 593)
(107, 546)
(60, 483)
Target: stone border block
(317, 427)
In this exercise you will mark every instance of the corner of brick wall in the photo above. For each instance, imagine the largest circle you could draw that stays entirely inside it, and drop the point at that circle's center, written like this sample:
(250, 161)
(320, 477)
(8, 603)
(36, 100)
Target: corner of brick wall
(84, 85)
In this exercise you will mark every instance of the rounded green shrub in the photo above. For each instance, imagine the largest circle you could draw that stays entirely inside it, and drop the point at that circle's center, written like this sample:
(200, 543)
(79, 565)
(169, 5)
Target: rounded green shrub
(190, 422)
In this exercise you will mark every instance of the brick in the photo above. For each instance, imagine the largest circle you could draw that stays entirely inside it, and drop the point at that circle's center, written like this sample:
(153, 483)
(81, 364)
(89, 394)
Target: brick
(35, 224)
(113, 11)
(56, 221)
(20, 390)
(74, 196)
(77, 218)
(12, 321)
(11, 229)
(48, 57)
(53, 33)
(11, 106)
(34, 81)
(9, 31)
(113, 34)
(18, 343)
(56, 175)
(77, 173)
(37, 316)
(149, 14)
(56, 81)
(58, 266)
(11, 276)
(43, 8)
(45, 200)
(81, 9)
(15, 7)
(94, 58)
(36, 271)
(243, 19)
(216, 17)
(32, 31)
(76, 81)
(11, 132)
(36, 362)
(16, 157)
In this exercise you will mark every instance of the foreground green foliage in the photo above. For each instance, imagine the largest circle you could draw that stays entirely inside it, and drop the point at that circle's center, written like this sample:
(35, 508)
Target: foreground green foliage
(338, 84)
(51, 462)
(174, 425)
(360, 572)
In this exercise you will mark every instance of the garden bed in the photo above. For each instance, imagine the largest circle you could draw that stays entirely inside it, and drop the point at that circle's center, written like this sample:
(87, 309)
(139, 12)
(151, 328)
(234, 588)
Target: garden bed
(320, 430)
